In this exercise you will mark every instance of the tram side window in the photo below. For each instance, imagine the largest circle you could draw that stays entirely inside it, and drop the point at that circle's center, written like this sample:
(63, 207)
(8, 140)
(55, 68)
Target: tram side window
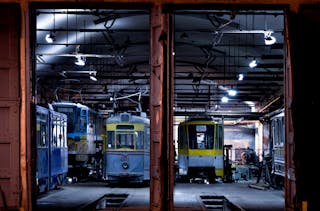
(209, 135)
(139, 139)
(110, 139)
(281, 131)
(77, 120)
(64, 133)
(274, 133)
(60, 132)
(147, 138)
(192, 137)
(278, 132)
(54, 133)
(41, 135)
(83, 121)
(278, 128)
(219, 137)
(181, 138)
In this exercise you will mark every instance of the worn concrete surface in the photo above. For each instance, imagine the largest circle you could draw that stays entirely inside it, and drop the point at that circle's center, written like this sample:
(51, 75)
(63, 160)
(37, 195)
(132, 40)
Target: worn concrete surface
(83, 196)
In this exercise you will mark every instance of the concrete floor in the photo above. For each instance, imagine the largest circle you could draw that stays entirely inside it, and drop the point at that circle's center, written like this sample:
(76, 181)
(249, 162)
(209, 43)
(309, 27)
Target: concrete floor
(85, 196)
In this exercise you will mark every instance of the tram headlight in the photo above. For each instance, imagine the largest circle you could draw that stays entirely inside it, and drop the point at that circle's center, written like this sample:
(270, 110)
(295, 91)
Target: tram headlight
(125, 165)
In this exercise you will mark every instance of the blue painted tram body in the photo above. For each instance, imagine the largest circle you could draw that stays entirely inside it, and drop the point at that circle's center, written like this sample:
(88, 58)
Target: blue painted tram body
(52, 150)
(85, 134)
(127, 148)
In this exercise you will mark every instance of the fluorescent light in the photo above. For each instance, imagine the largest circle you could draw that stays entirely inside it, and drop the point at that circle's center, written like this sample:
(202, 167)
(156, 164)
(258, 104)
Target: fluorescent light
(49, 38)
(240, 77)
(224, 99)
(93, 78)
(253, 63)
(232, 92)
(80, 61)
(269, 39)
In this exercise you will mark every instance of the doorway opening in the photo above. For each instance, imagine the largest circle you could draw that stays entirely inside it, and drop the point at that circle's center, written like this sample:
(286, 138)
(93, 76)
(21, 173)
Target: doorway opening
(91, 87)
(229, 73)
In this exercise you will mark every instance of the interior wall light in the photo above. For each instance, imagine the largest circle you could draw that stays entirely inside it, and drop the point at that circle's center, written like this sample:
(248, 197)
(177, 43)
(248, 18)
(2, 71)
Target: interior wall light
(50, 38)
(80, 60)
(253, 63)
(269, 39)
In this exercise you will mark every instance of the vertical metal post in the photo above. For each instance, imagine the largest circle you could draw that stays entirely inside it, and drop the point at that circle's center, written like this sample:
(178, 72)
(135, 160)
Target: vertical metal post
(161, 102)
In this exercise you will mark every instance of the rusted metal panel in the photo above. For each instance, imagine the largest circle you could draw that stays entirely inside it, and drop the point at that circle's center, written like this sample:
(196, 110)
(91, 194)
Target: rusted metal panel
(157, 193)
(9, 107)
(161, 101)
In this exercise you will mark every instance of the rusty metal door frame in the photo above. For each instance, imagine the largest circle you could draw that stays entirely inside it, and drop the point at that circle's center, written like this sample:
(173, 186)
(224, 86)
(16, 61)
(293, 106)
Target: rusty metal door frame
(161, 107)
(160, 194)
(10, 104)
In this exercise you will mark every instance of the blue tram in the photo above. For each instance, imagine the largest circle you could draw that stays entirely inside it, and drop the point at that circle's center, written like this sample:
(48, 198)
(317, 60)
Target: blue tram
(200, 150)
(85, 134)
(127, 148)
(52, 151)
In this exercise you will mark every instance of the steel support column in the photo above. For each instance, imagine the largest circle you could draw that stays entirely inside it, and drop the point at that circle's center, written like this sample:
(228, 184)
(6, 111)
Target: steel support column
(161, 102)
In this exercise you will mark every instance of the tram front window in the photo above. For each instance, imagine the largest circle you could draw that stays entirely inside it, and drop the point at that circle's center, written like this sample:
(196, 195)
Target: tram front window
(125, 141)
(200, 136)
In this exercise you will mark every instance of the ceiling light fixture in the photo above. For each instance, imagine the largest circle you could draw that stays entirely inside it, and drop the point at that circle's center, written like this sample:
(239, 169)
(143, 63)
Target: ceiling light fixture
(232, 92)
(224, 99)
(269, 39)
(50, 38)
(93, 78)
(92, 75)
(253, 63)
(240, 77)
(80, 60)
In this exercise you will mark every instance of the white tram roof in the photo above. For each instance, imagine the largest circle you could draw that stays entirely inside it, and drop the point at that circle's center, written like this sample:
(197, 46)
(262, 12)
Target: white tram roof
(67, 103)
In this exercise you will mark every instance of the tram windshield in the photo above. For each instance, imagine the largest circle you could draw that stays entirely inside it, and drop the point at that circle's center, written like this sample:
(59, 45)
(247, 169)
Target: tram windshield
(201, 136)
(71, 113)
(125, 140)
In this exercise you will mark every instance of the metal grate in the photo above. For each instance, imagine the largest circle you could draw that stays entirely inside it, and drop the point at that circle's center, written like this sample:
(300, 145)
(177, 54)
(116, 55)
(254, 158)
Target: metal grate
(217, 203)
(111, 201)
(214, 202)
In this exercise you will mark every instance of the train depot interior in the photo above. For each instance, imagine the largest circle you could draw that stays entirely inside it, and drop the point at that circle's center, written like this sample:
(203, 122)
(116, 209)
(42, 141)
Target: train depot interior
(228, 65)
